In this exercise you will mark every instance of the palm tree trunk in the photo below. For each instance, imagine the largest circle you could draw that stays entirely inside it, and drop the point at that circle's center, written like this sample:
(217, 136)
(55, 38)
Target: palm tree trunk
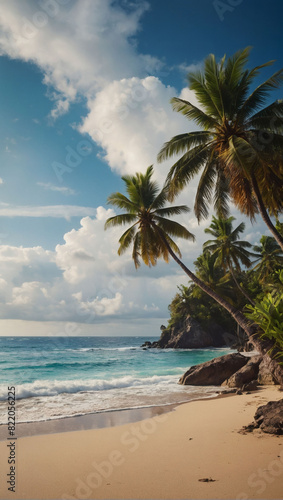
(239, 287)
(263, 212)
(251, 330)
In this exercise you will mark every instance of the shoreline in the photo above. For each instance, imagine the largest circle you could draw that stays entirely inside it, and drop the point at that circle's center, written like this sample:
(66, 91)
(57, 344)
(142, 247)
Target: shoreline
(195, 451)
(96, 420)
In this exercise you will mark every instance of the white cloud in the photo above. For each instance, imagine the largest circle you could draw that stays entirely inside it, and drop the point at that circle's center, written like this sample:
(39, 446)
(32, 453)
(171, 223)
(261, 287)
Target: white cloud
(1, 181)
(131, 119)
(58, 211)
(83, 280)
(89, 44)
(60, 189)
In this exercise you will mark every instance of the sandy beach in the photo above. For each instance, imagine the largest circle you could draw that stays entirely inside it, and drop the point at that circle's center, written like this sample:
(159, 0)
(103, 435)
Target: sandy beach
(164, 457)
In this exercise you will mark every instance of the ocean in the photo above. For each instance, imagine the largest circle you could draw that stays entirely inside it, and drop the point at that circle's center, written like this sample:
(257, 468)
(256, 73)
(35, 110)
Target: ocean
(58, 377)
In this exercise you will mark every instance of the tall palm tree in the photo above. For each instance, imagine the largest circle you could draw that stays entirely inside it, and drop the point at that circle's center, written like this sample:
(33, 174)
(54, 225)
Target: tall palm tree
(269, 258)
(239, 150)
(231, 252)
(151, 235)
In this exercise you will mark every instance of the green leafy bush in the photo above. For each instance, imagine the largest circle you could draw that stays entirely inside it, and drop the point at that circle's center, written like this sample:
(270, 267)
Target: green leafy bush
(268, 314)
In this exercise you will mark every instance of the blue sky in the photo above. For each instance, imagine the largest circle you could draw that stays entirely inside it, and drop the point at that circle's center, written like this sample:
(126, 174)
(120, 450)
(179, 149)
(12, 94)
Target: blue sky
(85, 89)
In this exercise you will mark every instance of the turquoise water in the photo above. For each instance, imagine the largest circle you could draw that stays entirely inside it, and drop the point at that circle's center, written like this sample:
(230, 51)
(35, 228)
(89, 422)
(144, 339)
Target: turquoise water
(57, 377)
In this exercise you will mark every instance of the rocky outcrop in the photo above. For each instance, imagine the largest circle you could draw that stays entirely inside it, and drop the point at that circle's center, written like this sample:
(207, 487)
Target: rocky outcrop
(189, 334)
(214, 372)
(246, 374)
(265, 376)
(270, 417)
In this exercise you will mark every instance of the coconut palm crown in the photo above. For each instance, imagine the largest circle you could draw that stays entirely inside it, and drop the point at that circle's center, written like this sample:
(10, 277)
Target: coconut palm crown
(148, 216)
(230, 250)
(239, 151)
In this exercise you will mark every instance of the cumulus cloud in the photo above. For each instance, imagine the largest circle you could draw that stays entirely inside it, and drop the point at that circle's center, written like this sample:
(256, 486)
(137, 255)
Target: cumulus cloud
(131, 119)
(83, 280)
(89, 43)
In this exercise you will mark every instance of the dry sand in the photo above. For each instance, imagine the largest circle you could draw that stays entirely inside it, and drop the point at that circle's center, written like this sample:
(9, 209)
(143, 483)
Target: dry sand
(158, 458)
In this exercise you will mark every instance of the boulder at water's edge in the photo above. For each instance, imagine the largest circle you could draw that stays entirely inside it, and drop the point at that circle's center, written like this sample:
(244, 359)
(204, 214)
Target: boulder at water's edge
(214, 372)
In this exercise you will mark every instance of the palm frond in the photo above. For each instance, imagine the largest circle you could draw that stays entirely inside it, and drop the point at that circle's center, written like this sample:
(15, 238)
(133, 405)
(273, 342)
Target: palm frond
(121, 201)
(259, 95)
(119, 220)
(235, 66)
(126, 239)
(159, 201)
(197, 83)
(237, 231)
(193, 113)
(170, 211)
(269, 118)
(205, 190)
(186, 168)
(136, 250)
(181, 143)
(241, 154)
(149, 247)
(212, 80)
(173, 228)
(221, 195)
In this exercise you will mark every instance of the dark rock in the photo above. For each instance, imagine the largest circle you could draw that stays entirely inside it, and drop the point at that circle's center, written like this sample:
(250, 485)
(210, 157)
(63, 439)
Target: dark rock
(189, 334)
(251, 386)
(246, 374)
(247, 428)
(214, 372)
(269, 417)
(207, 480)
(147, 344)
(265, 376)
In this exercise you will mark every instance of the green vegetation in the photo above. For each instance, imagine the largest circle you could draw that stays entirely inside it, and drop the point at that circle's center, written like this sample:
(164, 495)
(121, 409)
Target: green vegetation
(268, 313)
(263, 289)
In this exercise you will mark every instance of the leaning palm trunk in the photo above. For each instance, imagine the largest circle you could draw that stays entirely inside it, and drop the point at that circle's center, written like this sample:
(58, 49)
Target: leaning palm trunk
(264, 214)
(263, 347)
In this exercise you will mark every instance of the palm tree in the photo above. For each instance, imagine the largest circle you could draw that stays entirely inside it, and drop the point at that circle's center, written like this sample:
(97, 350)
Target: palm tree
(270, 258)
(229, 250)
(151, 235)
(210, 272)
(150, 232)
(239, 150)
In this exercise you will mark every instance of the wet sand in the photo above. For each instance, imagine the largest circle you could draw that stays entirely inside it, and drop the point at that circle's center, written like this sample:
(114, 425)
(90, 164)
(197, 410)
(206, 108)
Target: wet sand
(86, 422)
